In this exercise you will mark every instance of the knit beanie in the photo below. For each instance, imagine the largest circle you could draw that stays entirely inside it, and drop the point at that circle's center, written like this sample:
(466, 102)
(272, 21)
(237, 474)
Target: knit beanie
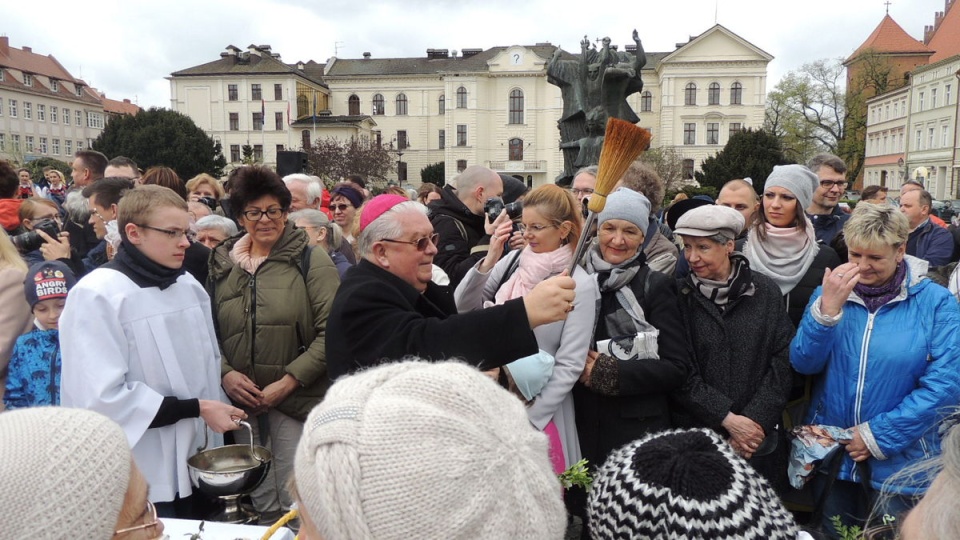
(426, 450)
(348, 192)
(46, 280)
(65, 473)
(801, 181)
(628, 205)
(684, 484)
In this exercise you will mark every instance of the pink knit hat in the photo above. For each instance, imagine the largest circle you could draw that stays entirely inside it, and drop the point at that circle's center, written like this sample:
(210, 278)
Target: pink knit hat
(377, 206)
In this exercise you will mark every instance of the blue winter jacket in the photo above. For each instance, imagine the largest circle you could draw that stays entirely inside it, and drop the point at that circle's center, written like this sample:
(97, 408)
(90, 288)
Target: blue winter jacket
(34, 376)
(894, 373)
(931, 243)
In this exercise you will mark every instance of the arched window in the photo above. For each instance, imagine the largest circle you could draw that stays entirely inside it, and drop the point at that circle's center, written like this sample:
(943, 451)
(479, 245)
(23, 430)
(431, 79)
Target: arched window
(736, 94)
(442, 104)
(690, 94)
(305, 139)
(302, 104)
(516, 106)
(461, 98)
(713, 94)
(646, 101)
(516, 150)
(377, 104)
(353, 105)
(401, 104)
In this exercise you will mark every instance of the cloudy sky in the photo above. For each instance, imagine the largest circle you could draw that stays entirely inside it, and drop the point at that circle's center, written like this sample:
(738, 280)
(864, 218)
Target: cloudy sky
(127, 48)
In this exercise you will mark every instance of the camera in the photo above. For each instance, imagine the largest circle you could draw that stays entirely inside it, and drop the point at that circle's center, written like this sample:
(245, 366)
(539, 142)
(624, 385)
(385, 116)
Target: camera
(31, 240)
(209, 201)
(495, 205)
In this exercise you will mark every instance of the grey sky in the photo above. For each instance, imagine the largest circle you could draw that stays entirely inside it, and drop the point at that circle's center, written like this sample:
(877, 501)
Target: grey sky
(127, 48)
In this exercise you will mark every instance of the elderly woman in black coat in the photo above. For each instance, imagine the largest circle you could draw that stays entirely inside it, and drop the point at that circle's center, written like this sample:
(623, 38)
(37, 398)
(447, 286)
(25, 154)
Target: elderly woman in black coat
(739, 372)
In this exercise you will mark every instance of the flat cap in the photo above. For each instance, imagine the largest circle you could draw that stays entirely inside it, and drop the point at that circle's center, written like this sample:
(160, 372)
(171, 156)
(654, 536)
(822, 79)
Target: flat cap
(710, 220)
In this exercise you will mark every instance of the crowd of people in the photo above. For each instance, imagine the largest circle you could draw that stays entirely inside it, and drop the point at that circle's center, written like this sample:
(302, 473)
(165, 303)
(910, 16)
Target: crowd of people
(430, 363)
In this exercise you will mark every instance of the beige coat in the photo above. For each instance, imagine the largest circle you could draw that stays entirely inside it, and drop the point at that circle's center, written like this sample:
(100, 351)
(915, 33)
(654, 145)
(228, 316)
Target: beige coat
(15, 318)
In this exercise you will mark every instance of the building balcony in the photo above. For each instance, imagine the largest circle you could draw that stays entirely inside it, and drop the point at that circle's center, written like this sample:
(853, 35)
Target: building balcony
(539, 165)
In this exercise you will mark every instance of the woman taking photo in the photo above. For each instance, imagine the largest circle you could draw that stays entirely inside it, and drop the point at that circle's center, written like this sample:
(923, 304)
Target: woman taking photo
(782, 244)
(739, 373)
(884, 339)
(271, 298)
(551, 224)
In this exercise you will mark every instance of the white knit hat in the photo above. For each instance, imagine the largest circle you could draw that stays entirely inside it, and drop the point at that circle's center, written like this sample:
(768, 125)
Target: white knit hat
(65, 473)
(426, 450)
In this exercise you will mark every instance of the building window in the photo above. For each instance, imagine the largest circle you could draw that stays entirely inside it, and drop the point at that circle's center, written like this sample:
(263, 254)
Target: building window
(689, 133)
(735, 128)
(13, 108)
(443, 139)
(920, 101)
(3, 142)
(29, 141)
(687, 171)
(41, 112)
(68, 147)
(43, 145)
(302, 104)
(353, 105)
(27, 79)
(944, 136)
(279, 149)
(55, 85)
(713, 94)
(377, 104)
(56, 147)
(258, 153)
(53, 114)
(736, 94)
(946, 94)
(516, 106)
(234, 121)
(933, 98)
(66, 117)
(79, 94)
(15, 139)
(79, 146)
(646, 101)
(255, 93)
(401, 104)
(515, 150)
(919, 140)
(713, 133)
(305, 139)
(78, 119)
(461, 165)
(461, 134)
(234, 153)
(896, 109)
(402, 143)
(232, 93)
(257, 121)
(1, 107)
(930, 138)
(402, 172)
(27, 110)
(461, 98)
(442, 104)
(378, 138)
(278, 121)
(690, 94)
(278, 92)
(94, 120)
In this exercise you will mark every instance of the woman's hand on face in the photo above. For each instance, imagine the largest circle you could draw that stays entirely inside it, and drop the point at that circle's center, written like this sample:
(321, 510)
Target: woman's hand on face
(745, 432)
(241, 389)
(588, 367)
(54, 248)
(499, 237)
(837, 286)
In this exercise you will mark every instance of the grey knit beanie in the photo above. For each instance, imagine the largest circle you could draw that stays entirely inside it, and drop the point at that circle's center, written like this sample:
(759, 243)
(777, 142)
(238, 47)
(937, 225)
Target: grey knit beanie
(65, 473)
(628, 205)
(426, 450)
(684, 484)
(801, 181)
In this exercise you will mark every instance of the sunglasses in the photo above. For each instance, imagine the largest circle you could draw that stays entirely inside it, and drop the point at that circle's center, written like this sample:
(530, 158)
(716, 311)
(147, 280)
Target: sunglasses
(340, 207)
(421, 243)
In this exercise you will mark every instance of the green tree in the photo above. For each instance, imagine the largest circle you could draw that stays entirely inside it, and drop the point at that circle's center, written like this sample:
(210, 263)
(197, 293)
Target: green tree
(36, 167)
(668, 164)
(748, 153)
(248, 158)
(335, 159)
(433, 173)
(162, 137)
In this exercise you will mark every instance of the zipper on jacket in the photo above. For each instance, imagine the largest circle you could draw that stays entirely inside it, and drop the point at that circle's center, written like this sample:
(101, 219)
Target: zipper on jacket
(54, 387)
(253, 323)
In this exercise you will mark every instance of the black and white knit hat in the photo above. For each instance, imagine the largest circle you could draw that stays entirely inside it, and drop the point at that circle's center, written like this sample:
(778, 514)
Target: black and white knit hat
(684, 484)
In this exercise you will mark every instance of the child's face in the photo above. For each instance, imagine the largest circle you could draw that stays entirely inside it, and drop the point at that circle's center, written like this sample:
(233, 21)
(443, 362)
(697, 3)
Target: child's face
(48, 312)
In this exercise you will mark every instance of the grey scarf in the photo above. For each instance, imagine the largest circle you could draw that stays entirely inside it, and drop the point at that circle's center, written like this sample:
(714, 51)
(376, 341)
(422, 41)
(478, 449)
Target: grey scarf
(617, 277)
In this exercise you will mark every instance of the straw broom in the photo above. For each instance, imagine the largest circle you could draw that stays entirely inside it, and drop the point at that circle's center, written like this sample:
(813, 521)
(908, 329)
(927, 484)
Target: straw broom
(623, 142)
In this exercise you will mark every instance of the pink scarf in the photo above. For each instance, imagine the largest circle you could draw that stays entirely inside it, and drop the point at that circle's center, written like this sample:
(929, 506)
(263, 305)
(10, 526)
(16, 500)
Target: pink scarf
(534, 268)
(240, 254)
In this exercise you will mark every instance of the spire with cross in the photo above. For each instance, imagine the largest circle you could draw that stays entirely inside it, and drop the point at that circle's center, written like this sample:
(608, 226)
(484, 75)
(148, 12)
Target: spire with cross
(887, 3)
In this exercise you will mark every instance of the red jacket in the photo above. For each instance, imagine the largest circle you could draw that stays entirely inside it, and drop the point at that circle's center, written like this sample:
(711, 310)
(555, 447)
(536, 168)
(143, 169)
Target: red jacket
(10, 214)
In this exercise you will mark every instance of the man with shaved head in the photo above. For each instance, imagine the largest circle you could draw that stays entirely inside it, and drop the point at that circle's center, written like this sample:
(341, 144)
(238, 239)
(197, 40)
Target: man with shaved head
(740, 195)
(459, 219)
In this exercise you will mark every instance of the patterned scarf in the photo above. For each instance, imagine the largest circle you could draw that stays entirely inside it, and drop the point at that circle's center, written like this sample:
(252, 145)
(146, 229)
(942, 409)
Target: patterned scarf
(534, 268)
(875, 297)
(721, 293)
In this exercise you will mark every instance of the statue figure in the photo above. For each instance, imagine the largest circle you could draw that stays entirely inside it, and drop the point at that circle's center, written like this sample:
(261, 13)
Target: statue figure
(593, 87)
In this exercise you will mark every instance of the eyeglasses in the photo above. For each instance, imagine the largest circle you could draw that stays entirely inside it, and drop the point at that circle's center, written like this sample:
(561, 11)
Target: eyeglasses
(154, 521)
(257, 214)
(173, 234)
(578, 192)
(421, 243)
(340, 207)
(535, 228)
(828, 184)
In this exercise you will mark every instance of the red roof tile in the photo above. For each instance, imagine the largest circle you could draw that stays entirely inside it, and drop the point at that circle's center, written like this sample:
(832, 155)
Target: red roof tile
(119, 107)
(26, 60)
(889, 37)
(946, 37)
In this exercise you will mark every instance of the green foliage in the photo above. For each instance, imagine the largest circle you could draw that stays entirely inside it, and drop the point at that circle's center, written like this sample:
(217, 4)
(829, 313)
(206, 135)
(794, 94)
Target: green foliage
(36, 167)
(434, 173)
(248, 158)
(668, 164)
(846, 533)
(710, 191)
(161, 137)
(335, 159)
(576, 475)
(748, 153)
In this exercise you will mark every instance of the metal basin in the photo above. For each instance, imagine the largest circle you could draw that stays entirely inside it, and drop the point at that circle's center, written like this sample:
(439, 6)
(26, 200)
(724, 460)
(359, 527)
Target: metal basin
(236, 469)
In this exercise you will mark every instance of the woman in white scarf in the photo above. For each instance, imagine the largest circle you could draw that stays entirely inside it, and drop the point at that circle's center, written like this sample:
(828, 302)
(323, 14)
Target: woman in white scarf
(781, 243)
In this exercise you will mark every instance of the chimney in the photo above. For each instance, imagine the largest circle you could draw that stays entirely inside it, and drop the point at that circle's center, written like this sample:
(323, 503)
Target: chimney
(4, 46)
(467, 53)
(27, 49)
(253, 50)
(927, 34)
(366, 56)
(125, 100)
(300, 66)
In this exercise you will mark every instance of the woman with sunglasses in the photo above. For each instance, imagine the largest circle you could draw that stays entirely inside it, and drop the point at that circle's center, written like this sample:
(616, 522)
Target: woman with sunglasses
(271, 295)
(344, 202)
(551, 225)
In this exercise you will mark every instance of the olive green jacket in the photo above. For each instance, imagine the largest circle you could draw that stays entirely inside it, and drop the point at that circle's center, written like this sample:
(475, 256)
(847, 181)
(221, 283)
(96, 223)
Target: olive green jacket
(273, 322)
